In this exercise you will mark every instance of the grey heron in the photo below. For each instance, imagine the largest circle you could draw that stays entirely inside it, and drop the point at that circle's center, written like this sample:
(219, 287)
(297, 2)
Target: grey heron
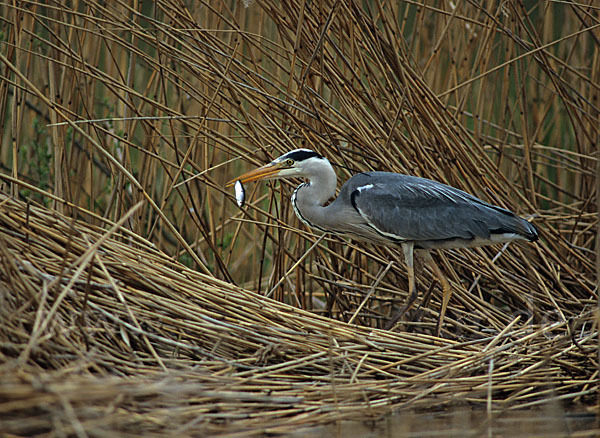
(385, 208)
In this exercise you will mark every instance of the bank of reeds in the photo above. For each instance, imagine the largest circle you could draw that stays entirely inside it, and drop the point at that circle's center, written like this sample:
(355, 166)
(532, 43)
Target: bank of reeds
(112, 106)
(102, 332)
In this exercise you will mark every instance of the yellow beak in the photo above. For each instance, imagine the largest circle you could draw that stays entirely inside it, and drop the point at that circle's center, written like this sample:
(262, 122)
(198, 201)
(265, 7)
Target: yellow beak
(265, 172)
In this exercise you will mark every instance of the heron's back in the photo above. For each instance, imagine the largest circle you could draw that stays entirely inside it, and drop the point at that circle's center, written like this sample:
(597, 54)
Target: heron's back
(433, 215)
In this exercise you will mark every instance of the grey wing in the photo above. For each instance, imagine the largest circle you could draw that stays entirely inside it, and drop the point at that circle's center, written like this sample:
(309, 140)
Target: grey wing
(402, 207)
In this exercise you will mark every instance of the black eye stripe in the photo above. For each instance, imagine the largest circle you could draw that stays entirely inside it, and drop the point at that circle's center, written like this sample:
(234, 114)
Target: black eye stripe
(301, 155)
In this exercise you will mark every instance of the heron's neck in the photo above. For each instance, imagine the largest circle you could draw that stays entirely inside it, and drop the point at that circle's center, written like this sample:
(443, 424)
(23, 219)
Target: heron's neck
(320, 188)
(309, 198)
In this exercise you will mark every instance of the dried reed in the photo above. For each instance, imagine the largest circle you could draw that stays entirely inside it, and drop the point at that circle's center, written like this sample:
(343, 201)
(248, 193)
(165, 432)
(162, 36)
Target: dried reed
(103, 332)
(127, 267)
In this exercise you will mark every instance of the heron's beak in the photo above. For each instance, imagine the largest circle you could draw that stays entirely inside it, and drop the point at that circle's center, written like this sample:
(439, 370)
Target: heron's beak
(265, 172)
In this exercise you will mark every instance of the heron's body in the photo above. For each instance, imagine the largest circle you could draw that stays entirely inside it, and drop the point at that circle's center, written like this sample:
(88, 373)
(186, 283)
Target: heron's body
(393, 209)
(390, 208)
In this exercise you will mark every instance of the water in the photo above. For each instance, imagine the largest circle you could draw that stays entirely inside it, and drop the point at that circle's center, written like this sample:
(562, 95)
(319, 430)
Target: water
(547, 422)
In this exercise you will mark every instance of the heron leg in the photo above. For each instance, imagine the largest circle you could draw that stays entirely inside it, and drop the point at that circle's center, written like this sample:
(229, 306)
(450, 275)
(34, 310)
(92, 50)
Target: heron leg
(446, 288)
(408, 249)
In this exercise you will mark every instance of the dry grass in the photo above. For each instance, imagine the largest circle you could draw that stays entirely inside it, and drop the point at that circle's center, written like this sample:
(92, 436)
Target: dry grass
(121, 250)
(103, 332)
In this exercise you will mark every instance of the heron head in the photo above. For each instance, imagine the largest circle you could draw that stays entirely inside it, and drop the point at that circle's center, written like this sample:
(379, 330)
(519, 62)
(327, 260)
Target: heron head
(299, 162)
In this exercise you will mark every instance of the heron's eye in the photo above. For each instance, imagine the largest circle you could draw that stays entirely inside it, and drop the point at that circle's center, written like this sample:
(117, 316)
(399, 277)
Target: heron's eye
(289, 162)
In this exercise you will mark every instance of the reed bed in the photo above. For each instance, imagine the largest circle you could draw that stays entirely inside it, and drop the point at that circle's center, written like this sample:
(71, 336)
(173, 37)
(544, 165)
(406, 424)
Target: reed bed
(129, 271)
(102, 333)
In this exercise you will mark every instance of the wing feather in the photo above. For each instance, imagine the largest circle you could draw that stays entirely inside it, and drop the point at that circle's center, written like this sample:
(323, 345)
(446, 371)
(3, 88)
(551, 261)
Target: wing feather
(403, 207)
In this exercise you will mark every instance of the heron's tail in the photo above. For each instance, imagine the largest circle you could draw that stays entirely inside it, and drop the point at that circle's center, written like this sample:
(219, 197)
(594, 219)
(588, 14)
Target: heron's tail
(530, 231)
(510, 223)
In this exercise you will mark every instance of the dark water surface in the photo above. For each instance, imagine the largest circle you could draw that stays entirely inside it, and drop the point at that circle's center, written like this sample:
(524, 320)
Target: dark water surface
(547, 422)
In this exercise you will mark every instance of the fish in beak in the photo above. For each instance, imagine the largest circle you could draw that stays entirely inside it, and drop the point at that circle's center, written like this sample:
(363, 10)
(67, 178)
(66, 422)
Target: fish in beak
(240, 194)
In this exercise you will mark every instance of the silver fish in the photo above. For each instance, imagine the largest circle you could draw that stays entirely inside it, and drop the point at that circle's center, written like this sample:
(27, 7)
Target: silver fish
(240, 194)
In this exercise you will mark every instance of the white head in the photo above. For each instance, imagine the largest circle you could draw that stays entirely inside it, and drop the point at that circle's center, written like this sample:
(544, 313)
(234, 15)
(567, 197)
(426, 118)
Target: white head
(300, 162)
(296, 163)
